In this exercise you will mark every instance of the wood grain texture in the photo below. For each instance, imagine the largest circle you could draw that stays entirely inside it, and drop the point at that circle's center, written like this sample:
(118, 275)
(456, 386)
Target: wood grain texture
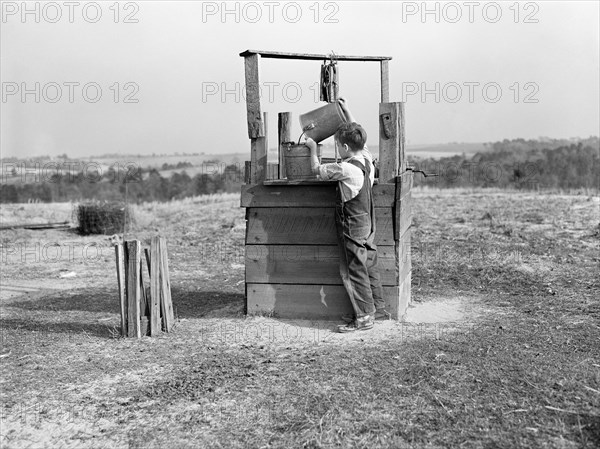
(404, 297)
(258, 156)
(389, 141)
(134, 254)
(402, 216)
(318, 195)
(253, 109)
(306, 226)
(310, 56)
(308, 264)
(121, 283)
(284, 134)
(385, 81)
(318, 302)
(165, 285)
(155, 289)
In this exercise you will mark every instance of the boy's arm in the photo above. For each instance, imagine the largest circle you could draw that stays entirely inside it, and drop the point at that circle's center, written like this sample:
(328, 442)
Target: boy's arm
(314, 160)
(344, 105)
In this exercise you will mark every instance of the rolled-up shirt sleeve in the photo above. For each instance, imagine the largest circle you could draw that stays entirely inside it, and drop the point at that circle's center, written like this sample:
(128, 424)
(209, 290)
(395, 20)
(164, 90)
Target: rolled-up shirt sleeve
(332, 171)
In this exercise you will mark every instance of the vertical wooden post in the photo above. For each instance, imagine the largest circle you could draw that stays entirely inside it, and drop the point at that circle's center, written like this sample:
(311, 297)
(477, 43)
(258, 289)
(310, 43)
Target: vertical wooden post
(255, 124)
(402, 142)
(165, 284)
(284, 134)
(134, 255)
(120, 256)
(385, 82)
(155, 290)
(258, 156)
(391, 141)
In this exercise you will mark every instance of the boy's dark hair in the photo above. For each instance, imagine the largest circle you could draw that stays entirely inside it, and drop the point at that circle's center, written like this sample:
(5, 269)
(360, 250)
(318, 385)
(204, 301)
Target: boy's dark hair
(353, 135)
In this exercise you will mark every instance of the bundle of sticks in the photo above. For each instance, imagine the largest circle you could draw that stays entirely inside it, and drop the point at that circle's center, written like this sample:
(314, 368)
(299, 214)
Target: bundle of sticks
(144, 310)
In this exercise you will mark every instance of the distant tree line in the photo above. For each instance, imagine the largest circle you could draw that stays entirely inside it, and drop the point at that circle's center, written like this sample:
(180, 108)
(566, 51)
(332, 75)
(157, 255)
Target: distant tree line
(519, 163)
(140, 185)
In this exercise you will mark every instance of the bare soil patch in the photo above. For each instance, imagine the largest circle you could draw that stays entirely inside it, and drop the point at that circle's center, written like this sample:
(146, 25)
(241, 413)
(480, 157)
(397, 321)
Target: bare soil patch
(499, 349)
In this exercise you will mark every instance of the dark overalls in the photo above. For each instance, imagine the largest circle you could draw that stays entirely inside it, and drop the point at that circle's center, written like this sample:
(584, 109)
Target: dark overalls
(355, 223)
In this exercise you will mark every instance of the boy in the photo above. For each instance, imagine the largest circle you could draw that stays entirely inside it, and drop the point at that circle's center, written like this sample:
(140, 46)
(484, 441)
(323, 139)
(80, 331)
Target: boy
(355, 222)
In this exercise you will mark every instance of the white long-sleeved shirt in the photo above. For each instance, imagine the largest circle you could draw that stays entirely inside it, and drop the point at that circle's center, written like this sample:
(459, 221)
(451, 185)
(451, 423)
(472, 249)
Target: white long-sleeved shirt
(351, 177)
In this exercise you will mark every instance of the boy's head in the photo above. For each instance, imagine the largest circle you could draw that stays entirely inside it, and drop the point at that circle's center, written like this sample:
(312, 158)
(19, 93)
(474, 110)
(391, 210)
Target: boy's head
(352, 136)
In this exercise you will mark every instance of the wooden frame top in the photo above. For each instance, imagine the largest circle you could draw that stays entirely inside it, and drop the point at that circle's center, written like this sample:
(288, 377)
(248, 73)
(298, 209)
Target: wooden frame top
(312, 56)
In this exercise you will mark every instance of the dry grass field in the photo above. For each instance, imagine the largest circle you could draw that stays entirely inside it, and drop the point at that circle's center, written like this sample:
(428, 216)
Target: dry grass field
(501, 347)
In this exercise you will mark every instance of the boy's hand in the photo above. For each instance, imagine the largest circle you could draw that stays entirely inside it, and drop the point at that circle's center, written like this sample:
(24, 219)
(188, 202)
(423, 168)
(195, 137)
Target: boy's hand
(311, 144)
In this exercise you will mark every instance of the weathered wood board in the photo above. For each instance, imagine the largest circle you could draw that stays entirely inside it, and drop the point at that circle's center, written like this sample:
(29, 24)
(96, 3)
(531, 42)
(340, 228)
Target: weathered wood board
(315, 226)
(307, 301)
(317, 195)
(309, 264)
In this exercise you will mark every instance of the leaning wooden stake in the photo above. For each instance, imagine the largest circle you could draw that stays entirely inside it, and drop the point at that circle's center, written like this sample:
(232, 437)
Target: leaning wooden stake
(134, 254)
(165, 283)
(120, 257)
(155, 290)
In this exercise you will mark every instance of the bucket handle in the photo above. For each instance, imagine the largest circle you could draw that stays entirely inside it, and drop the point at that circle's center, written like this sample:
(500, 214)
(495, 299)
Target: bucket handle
(306, 128)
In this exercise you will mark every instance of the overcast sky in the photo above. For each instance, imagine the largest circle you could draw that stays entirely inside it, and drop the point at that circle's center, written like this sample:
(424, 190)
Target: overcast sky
(76, 82)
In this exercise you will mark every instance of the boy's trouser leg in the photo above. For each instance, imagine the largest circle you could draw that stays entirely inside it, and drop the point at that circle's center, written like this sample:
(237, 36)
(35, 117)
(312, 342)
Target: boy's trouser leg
(355, 274)
(374, 275)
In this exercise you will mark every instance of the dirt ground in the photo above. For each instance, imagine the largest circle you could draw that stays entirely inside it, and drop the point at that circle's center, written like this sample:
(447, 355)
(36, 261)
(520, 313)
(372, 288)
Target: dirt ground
(499, 347)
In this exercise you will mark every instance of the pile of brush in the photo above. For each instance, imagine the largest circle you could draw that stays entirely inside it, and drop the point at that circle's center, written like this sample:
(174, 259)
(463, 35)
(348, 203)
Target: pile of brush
(96, 217)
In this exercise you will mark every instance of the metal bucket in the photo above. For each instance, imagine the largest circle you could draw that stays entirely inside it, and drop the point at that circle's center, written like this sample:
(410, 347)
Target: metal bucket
(323, 122)
(297, 161)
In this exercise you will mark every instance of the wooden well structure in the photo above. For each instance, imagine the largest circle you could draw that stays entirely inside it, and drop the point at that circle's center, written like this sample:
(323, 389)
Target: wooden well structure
(291, 251)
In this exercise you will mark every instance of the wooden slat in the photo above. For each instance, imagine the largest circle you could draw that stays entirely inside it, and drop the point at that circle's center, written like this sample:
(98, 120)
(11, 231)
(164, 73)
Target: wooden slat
(406, 214)
(405, 297)
(385, 81)
(165, 284)
(300, 301)
(144, 306)
(284, 134)
(319, 195)
(308, 264)
(155, 289)
(147, 254)
(134, 253)
(389, 141)
(402, 144)
(247, 172)
(317, 302)
(258, 156)
(311, 56)
(121, 282)
(272, 171)
(253, 110)
(55, 225)
(403, 204)
(404, 184)
(306, 226)
(404, 257)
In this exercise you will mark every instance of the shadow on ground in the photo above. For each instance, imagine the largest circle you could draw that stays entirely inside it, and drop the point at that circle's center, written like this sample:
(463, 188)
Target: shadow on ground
(186, 304)
(39, 329)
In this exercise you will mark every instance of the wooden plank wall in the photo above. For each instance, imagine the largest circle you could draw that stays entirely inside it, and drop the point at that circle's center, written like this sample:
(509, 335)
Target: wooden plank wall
(292, 255)
(403, 213)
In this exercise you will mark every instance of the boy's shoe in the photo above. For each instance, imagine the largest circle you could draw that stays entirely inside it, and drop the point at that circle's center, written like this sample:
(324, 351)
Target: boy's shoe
(380, 315)
(359, 324)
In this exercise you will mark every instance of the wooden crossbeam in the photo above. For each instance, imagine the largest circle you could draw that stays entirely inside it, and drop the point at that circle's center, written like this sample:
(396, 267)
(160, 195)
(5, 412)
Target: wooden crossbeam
(311, 56)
